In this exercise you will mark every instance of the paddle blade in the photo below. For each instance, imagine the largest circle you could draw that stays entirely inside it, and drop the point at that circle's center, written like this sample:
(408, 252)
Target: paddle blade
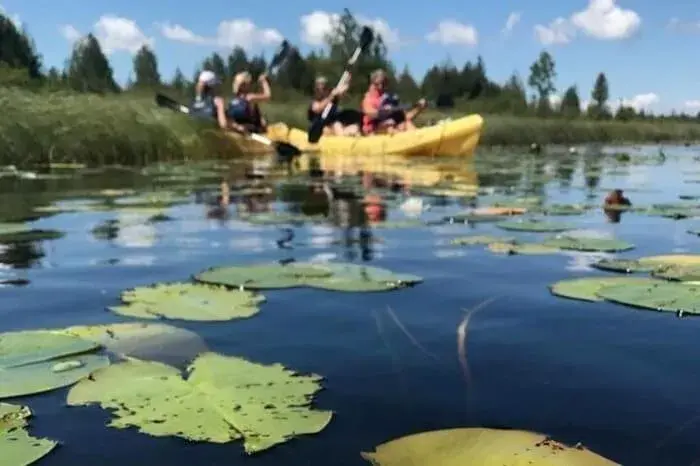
(366, 37)
(316, 130)
(172, 104)
(281, 54)
(286, 150)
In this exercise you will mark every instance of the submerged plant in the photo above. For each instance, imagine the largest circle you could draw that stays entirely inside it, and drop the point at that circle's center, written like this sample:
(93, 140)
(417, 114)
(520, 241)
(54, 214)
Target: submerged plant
(482, 447)
(17, 447)
(221, 399)
(188, 301)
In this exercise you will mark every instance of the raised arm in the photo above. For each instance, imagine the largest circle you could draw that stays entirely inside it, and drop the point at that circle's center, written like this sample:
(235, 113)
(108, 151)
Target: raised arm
(266, 93)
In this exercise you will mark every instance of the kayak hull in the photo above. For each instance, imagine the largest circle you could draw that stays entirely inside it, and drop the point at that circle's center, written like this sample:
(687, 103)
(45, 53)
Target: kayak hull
(455, 138)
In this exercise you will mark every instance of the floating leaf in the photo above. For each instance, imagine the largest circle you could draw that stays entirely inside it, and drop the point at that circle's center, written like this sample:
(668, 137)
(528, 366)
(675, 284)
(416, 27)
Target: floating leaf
(28, 361)
(589, 244)
(678, 273)
(480, 240)
(482, 447)
(586, 289)
(672, 259)
(623, 266)
(657, 295)
(537, 226)
(17, 447)
(515, 248)
(563, 209)
(222, 399)
(337, 277)
(188, 301)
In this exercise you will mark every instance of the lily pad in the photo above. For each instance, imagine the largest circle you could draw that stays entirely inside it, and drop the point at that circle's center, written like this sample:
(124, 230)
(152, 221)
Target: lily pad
(31, 236)
(657, 295)
(672, 259)
(673, 211)
(336, 277)
(589, 244)
(29, 361)
(480, 240)
(677, 273)
(516, 248)
(563, 209)
(482, 447)
(222, 399)
(623, 266)
(17, 446)
(586, 289)
(536, 226)
(188, 301)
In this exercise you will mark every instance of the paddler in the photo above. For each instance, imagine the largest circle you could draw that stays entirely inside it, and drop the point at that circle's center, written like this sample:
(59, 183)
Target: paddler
(243, 109)
(336, 123)
(382, 113)
(208, 102)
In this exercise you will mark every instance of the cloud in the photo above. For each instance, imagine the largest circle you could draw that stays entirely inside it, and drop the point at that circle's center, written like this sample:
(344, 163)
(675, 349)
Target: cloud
(114, 33)
(316, 26)
(641, 101)
(13, 17)
(512, 21)
(558, 32)
(677, 25)
(241, 32)
(450, 32)
(602, 20)
(692, 104)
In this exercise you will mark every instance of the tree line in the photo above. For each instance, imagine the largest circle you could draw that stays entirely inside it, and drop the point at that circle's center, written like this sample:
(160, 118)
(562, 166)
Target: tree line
(468, 87)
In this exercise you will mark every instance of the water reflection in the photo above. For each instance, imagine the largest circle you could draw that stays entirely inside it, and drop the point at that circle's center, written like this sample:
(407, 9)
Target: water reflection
(22, 254)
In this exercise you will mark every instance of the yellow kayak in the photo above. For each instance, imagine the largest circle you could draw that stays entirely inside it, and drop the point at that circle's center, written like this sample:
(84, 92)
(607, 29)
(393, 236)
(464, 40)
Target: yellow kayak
(457, 138)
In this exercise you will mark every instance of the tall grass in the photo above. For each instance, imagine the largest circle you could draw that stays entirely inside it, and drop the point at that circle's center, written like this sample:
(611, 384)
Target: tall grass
(41, 128)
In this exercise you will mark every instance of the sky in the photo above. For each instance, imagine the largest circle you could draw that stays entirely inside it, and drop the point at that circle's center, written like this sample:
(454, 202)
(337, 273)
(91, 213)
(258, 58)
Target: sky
(647, 48)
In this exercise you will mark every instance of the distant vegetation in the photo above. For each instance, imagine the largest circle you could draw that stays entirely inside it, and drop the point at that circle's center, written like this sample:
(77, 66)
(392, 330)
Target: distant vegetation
(81, 113)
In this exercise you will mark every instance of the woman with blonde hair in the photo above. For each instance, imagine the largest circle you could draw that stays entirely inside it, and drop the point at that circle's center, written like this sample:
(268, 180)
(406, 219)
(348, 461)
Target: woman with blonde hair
(243, 109)
(382, 113)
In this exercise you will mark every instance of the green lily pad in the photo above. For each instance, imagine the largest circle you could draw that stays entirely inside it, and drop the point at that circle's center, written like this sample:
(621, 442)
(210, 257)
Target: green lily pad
(469, 217)
(679, 298)
(563, 209)
(222, 399)
(532, 225)
(396, 224)
(29, 361)
(589, 244)
(31, 236)
(188, 301)
(586, 289)
(673, 211)
(337, 277)
(623, 266)
(516, 248)
(677, 273)
(17, 447)
(482, 447)
(472, 240)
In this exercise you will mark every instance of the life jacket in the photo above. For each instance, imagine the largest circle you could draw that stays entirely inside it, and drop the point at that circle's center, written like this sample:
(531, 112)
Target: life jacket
(203, 107)
(240, 111)
(390, 99)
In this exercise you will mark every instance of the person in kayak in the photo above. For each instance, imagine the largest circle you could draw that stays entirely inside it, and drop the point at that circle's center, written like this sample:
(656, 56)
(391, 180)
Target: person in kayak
(208, 102)
(339, 122)
(382, 113)
(243, 109)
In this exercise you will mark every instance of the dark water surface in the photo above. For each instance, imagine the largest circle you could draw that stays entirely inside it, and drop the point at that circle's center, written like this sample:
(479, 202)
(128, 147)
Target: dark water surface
(620, 381)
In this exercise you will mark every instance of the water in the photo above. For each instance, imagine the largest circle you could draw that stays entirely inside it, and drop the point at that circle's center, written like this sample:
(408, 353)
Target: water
(620, 381)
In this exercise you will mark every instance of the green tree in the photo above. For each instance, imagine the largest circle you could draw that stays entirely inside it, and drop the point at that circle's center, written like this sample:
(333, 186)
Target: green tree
(542, 75)
(625, 113)
(236, 61)
(599, 98)
(294, 72)
(88, 68)
(571, 103)
(407, 87)
(179, 83)
(17, 49)
(146, 69)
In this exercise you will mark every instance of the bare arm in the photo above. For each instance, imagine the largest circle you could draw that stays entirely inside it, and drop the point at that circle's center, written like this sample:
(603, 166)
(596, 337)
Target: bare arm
(220, 113)
(263, 96)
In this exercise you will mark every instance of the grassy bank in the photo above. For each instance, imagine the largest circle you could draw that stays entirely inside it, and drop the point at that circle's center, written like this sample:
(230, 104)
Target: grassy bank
(46, 128)
(53, 127)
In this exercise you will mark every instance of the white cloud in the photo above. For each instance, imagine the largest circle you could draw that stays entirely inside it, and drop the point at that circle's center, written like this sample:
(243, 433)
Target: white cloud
(692, 104)
(13, 17)
(114, 33)
(512, 21)
(602, 20)
(450, 32)
(316, 25)
(555, 100)
(641, 101)
(684, 26)
(230, 33)
(558, 32)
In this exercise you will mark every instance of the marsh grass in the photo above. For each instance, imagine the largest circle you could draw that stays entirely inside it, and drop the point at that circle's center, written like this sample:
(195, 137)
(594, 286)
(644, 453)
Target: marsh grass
(41, 128)
(129, 129)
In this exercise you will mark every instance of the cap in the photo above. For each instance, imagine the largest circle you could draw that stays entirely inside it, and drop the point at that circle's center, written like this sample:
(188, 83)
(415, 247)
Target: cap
(208, 78)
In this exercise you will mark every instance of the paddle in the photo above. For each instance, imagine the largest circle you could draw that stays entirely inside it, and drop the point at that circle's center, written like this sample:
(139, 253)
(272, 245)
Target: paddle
(283, 149)
(316, 130)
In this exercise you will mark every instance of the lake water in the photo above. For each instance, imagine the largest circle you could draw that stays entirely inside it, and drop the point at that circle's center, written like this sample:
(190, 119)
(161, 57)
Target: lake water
(622, 382)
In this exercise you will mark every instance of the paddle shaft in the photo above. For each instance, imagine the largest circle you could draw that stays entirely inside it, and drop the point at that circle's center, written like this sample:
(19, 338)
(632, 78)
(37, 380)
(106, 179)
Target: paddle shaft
(343, 79)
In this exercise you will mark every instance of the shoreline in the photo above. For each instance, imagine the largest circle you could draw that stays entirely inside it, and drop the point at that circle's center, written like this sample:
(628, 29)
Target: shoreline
(131, 130)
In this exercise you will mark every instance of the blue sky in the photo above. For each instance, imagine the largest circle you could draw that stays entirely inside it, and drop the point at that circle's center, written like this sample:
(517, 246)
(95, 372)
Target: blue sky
(647, 48)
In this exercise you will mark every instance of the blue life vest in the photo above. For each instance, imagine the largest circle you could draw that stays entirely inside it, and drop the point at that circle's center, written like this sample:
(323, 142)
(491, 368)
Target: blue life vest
(390, 99)
(204, 107)
(240, 111)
